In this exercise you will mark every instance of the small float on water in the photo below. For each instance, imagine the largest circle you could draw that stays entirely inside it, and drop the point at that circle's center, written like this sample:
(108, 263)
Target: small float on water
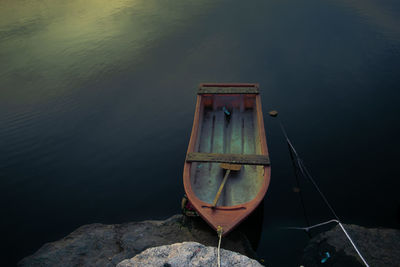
(227, 168)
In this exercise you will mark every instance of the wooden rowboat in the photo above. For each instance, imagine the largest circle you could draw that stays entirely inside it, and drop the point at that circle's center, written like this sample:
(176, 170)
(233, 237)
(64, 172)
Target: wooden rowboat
(228, 127)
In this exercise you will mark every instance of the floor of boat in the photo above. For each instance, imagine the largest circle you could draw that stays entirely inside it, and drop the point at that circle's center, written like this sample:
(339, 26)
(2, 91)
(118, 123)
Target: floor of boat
(236, 134)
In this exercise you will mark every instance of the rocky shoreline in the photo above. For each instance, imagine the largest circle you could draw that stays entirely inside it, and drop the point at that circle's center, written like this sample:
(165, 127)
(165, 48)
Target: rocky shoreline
(135, 243)
(108, 245)
(379, 247)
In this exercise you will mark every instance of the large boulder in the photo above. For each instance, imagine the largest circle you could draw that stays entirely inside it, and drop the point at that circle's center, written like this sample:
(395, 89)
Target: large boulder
(379, 247)
(107, 245)
(187, 254)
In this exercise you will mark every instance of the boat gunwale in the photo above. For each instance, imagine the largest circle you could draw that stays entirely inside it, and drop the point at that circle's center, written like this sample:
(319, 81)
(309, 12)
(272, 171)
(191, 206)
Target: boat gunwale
(237, 212)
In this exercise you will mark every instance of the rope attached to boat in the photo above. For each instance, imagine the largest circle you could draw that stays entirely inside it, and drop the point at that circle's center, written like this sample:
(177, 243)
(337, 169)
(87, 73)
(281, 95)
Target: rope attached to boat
(307, 175)
(219, 232)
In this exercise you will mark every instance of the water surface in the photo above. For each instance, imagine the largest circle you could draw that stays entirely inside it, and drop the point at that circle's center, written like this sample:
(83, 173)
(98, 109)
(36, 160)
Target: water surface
(97, 101)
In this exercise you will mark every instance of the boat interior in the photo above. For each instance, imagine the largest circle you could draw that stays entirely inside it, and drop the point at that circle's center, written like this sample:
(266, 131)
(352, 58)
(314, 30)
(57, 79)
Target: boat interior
(227, 124)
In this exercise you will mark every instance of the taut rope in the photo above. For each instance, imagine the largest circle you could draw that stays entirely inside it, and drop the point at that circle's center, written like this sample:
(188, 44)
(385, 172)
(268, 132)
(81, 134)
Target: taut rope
(343, 229)
(307, 175)
(219, 231)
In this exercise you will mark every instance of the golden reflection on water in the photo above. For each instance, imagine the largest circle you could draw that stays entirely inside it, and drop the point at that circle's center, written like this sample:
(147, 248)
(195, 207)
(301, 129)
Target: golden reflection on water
(58, 42)
(83, 13)
(60, 33)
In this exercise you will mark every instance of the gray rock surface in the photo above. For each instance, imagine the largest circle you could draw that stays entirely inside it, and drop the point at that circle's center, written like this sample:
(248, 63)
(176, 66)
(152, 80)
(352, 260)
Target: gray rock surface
(107, 245)
(187, 254)
(379, 247)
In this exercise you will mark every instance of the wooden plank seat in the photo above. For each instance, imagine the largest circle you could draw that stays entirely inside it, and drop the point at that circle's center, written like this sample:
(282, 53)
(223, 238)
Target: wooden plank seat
(228, 90)
(244, 159)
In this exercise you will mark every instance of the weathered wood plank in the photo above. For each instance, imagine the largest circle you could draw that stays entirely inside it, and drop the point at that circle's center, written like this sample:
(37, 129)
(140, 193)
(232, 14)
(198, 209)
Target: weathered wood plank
(248, 159)
(228, 90)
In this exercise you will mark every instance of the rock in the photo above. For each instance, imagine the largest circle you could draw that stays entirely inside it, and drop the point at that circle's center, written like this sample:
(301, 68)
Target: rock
(379, 247)
(107, 245)
(187, 254)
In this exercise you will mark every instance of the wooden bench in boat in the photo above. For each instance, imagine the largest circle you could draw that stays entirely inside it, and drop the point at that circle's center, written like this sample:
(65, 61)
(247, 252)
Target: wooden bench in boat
(246, 88)
(244, 159)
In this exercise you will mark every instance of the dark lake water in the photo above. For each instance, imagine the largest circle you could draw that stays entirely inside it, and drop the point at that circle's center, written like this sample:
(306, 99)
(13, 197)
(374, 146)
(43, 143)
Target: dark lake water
(97, 101)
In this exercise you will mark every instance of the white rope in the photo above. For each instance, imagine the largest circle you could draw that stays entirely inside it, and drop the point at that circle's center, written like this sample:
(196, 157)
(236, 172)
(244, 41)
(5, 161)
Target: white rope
(219, 231)
(219, 246)
(344, 231)
(312, 226)
(354, 246)
(306, 174)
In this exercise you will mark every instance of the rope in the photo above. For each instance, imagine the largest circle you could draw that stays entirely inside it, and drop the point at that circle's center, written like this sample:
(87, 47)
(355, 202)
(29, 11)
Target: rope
(342, 228)
(312, 226)
(304, 170)
(298, 186)
(219, 231)
(354, 245)
(307, 175)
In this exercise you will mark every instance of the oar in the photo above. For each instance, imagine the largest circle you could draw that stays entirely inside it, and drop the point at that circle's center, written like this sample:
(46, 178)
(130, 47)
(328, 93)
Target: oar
(228, 167)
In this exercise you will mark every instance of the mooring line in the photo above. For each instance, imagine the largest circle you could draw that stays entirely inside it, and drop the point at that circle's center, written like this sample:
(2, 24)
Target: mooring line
(354, 245)
(304, 170)
(307, 175)
(312, 226)
(342, 228)
(296, 175)
(219, 231)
